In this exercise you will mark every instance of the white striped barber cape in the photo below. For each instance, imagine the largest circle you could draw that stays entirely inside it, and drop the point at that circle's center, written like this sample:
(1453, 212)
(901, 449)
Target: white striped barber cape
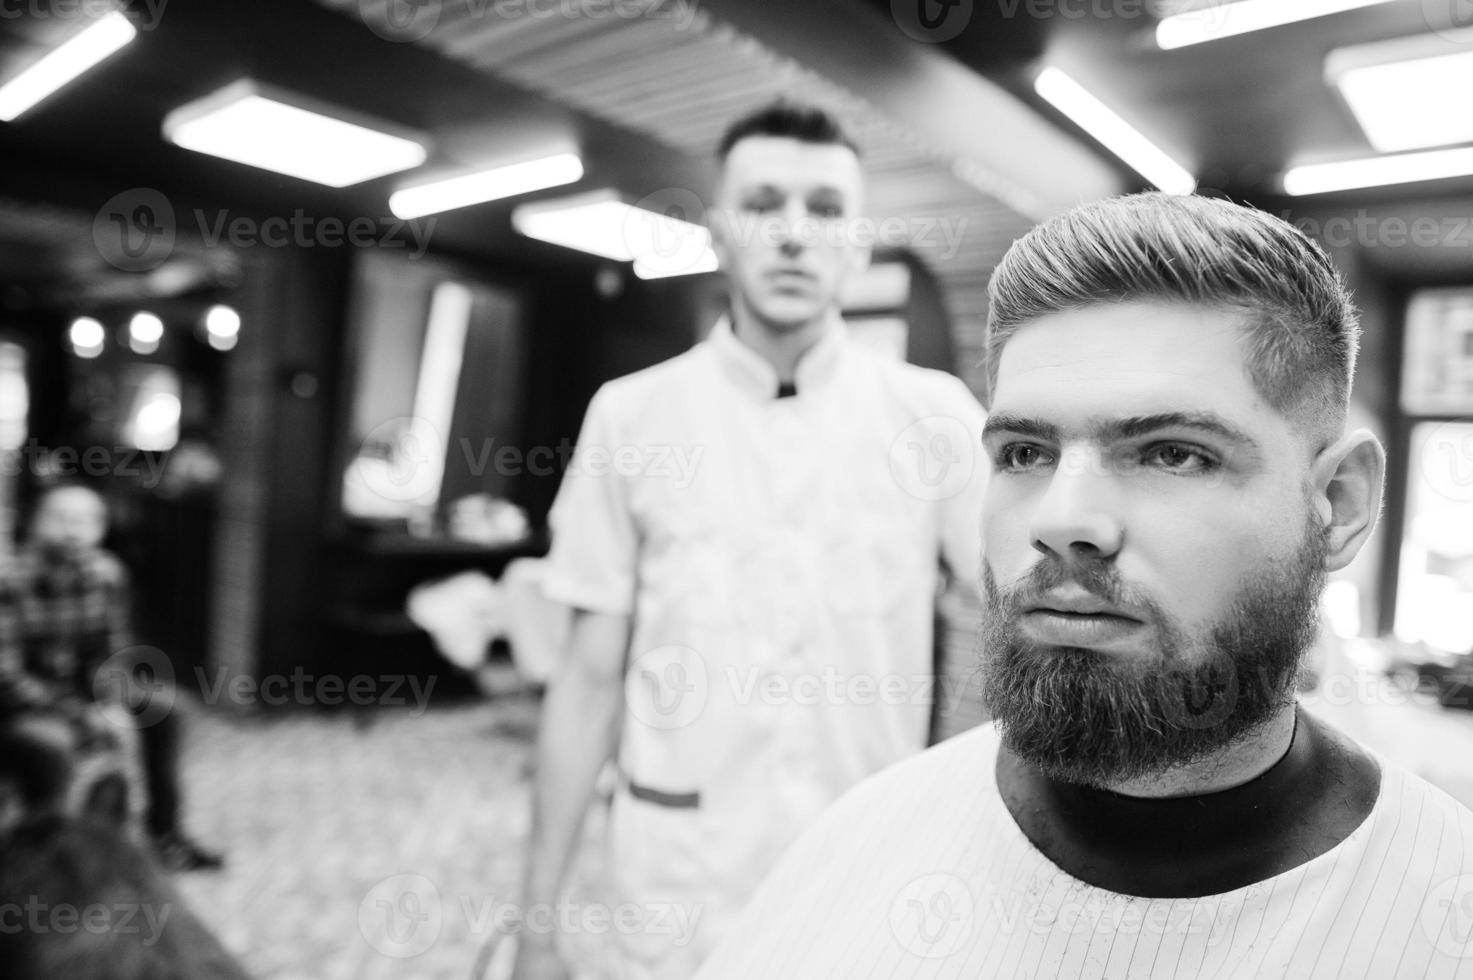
(921, 872)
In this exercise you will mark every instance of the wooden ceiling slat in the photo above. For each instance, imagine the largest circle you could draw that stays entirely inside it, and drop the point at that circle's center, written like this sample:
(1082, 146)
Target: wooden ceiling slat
(695, 74)
(492, 41)
(612, 54)
(666, 81)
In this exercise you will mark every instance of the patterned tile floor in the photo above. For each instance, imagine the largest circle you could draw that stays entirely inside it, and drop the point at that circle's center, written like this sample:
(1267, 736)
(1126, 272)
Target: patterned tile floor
(364, 852)
(384, 851)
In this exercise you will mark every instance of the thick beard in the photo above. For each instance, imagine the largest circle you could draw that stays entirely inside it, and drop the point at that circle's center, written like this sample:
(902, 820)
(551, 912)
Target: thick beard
(1099, 719)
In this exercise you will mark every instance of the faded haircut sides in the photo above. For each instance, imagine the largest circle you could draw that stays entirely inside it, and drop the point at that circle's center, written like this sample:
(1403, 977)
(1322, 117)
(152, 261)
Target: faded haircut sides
(1300, 328)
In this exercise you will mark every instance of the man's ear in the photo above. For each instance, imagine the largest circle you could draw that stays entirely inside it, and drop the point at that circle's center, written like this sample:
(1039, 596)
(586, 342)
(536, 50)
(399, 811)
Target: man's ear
(1347, 484)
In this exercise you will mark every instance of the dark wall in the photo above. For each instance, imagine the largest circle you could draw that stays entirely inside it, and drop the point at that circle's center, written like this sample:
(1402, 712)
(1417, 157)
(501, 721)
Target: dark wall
(929, 342)
(309, 292)
(582, 335)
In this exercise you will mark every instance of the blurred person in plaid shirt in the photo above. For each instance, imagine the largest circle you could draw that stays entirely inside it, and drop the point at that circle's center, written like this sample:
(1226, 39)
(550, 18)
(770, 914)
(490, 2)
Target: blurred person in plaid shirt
(65, 612)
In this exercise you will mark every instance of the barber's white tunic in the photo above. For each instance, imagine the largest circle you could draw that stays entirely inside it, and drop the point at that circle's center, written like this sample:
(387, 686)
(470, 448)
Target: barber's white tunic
(779, 557)
(922, 873)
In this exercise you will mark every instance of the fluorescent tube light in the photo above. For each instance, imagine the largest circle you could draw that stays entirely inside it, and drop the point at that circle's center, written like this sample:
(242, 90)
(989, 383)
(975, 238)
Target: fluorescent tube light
(705, 262)
(1401, 168)
(601, 224)
(1117, 135)
(250, 124)
(488, 185)
(1217, 20)
(64, 64)
(1392, 88)
(590, 222)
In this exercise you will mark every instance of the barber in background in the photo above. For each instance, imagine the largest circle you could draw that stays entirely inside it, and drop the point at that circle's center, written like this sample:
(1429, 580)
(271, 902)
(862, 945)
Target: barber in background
(755, 636)
(65, 609)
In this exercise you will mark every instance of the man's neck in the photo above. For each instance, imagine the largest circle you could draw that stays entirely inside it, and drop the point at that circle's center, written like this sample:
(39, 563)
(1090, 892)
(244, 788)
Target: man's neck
(1226, 835)
(1235, 765)
(783, 347)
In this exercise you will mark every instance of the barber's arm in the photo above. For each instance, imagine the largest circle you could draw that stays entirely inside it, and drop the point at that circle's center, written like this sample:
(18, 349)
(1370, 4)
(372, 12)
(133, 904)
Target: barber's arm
(592, 570)
(581, 713)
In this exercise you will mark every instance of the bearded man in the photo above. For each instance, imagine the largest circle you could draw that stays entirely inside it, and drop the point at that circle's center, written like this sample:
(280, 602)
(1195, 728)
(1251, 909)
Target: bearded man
(1172, 479)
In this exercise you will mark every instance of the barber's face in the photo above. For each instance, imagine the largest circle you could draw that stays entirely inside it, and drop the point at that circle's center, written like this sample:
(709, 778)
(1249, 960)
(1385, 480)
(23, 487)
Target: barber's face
(1148, 518)
(783, 227)
(70, 519)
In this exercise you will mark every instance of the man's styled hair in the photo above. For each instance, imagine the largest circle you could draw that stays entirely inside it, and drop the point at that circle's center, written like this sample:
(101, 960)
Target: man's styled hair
(794, 120)
(1300, 328)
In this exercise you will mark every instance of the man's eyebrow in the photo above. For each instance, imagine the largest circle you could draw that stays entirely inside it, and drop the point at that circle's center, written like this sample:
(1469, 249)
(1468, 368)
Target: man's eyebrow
(1141, 425)
(1128, 428)
(1019, 425)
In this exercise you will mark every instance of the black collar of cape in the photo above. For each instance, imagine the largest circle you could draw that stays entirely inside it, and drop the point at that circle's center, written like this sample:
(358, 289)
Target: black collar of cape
(1185, 847)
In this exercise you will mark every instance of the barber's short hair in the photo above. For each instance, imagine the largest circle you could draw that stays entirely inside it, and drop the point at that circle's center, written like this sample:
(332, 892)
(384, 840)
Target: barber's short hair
(794, 120)
(1301, 329)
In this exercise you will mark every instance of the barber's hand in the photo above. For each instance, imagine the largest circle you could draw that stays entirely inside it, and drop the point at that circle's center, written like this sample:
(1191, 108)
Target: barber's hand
(538, 959)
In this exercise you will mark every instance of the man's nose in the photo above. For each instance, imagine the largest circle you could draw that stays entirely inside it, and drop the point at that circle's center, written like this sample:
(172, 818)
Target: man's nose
(793, 228)
(1077, 517)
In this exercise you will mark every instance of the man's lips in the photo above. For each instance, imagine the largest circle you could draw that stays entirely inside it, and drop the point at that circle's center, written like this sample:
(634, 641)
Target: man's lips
(792, 275)
(1079, 619)
(1094, 630)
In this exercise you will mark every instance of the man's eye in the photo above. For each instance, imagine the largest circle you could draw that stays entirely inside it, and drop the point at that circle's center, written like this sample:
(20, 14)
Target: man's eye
(1179, 458)
(762, 203)
(1021, 456)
